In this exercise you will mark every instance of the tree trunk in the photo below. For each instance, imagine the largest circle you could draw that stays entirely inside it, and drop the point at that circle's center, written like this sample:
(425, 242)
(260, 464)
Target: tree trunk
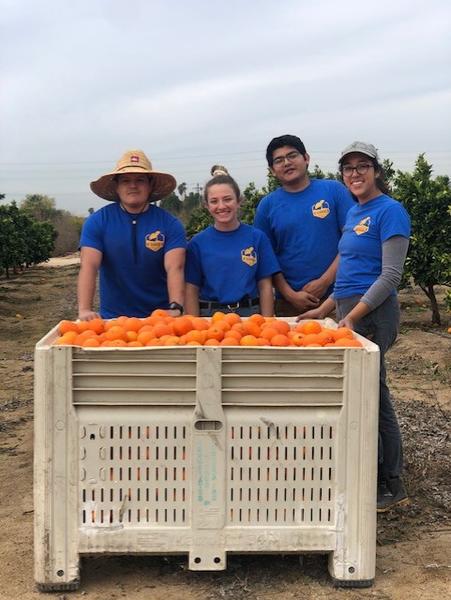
(430, 293)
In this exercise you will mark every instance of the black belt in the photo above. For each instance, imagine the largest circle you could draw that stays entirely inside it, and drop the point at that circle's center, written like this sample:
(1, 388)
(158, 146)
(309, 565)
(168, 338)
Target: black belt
(244, 303)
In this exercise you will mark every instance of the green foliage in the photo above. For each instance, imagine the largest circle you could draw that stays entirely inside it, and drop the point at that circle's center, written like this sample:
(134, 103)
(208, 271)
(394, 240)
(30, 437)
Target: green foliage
(41, 208)
(318, 173)
(199, 219)
(23, 240)
(428, 202)
(172, 204)
(67, 226)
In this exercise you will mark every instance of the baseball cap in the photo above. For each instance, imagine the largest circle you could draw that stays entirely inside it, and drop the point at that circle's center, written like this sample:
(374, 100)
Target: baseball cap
(362, 148)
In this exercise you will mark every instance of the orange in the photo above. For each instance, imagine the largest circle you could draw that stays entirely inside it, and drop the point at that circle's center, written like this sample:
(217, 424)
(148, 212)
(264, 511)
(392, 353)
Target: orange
(223, 325)
(131, 336)
(159, 312)
(280, 340)
(116, 333)
(268, 332)
(230, 341)
(132, 324)
(249, 340)
(211, 342)
(70, 337)
(217, 316)
(66, 326)
(257, 318)
(281, 326)
(96, 325)
(90, 342)
(342, 332)
(172, 340)
(193, 343)
(251, 328)
(145, 336)
(118, 344)
(194, 336)
(135, 344)
(200, 323)
(215, 333)
(348, 342)
(235, 334)
(121, 320)
(153, 342)
(263, 342)
(310, 327)
(81, 337)
(232, 318)
(239, 327)
(82, 326)
(110, 324)
(325, 337)
(297, 338)
(181, 325)
(162, 329)
(310, 338)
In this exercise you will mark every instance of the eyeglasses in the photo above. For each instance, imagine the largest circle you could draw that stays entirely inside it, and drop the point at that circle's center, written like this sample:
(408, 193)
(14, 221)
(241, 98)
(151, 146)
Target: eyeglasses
(291, 156)
(361, 169)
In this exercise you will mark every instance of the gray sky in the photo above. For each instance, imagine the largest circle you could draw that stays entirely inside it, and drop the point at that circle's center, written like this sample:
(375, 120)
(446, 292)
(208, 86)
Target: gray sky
(196, 82)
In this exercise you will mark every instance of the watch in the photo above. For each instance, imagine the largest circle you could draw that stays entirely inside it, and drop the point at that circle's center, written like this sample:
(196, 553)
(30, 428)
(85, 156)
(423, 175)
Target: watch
(176, 306)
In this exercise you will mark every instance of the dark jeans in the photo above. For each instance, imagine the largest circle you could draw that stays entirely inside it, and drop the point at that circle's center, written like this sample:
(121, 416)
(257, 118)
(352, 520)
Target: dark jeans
(381, 326)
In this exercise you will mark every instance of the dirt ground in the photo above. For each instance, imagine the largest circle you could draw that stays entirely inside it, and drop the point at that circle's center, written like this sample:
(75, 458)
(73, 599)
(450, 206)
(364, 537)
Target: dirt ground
(414, 542)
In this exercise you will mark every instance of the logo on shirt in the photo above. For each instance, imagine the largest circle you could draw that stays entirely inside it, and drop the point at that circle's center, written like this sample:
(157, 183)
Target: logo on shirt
(154, 241)
(321, 209)
(362, 226)
(249, 256)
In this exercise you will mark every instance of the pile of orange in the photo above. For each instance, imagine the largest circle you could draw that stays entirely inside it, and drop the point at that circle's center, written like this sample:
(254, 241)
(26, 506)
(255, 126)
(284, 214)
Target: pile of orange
(222, 329)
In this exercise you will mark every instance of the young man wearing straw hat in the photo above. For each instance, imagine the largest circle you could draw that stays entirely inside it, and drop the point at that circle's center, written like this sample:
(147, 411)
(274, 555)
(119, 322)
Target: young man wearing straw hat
(137, 247)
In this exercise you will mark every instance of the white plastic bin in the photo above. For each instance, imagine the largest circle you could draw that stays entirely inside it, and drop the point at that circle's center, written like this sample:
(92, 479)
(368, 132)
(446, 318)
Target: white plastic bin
(205, 451)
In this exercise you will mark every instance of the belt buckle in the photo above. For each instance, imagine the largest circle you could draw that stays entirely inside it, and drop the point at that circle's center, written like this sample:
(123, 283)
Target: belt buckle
(234, 307)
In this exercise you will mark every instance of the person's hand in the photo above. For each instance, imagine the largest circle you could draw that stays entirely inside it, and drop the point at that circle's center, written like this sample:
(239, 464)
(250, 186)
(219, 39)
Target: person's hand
(315, 313)
(347, 322)
(317, 287)
(303, 301)
(87, 315)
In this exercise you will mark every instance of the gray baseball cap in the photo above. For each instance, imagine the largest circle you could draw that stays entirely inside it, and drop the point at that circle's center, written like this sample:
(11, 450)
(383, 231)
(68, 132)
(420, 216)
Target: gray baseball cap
(362, 148)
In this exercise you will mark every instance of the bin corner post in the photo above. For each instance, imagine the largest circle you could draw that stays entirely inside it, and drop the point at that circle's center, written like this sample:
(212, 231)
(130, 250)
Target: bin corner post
(207, 552)
(353, 563)
(56, 565)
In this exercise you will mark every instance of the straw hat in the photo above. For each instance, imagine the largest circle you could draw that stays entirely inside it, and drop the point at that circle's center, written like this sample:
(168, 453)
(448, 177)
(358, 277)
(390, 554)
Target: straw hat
(134, 161)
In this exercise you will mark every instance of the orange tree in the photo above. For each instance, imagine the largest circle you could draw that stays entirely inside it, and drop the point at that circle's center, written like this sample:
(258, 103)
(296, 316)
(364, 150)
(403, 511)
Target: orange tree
(23, 241)
(428, 202)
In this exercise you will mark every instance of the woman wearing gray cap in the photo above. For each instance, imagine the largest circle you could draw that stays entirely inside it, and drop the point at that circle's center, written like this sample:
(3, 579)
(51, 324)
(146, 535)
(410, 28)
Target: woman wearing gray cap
(372, 252)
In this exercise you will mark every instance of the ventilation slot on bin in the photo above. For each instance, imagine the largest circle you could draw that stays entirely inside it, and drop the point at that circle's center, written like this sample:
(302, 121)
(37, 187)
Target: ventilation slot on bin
(281, 474)
(134, 474)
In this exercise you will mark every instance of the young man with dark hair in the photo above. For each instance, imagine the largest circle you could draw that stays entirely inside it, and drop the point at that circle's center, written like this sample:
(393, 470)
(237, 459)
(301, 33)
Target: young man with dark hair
(303, 219)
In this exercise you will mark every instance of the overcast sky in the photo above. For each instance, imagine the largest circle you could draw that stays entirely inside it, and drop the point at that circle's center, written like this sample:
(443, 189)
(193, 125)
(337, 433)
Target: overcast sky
(196, 82)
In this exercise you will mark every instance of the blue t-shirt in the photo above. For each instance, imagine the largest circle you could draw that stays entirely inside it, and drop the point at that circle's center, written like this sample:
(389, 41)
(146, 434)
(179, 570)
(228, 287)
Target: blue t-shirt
(226, 266)
(304, 227)
(367, 227)
(132, 278)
